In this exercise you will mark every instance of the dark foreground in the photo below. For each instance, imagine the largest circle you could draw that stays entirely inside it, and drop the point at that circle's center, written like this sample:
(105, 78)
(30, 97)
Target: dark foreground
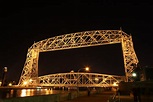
(107, 97)
(73, 96)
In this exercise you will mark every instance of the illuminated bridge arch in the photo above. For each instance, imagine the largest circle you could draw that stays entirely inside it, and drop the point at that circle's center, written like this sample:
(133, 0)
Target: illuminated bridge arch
(75, 79)
(78, 40)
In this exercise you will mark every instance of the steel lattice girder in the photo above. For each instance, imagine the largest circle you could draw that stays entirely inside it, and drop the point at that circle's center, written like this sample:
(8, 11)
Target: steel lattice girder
(76, 79)
(78, 40)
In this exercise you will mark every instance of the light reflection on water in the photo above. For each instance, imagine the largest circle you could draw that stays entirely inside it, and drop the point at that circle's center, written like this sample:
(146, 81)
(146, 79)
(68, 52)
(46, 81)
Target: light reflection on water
(28, 92)
(23, 92)
(32, 92)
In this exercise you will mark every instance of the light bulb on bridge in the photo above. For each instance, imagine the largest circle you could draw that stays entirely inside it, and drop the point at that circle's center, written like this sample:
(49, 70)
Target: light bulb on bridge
(115, 84)
(72, 71)
(30, 80)
(96, 79)
(25, 83)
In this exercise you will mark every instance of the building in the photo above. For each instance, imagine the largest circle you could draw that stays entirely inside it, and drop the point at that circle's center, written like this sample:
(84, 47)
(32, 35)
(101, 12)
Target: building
(146, 74)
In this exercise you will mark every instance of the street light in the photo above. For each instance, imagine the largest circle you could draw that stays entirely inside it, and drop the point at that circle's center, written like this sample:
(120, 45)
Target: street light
(4, 76)
(134, 74)
(86, 69)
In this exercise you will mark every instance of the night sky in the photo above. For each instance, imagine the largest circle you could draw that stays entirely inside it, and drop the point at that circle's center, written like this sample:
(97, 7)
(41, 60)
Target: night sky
(23, 23)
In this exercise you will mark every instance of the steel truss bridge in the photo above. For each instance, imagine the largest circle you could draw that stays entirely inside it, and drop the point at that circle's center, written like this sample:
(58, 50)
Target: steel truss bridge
(75, 79)
(29, 75)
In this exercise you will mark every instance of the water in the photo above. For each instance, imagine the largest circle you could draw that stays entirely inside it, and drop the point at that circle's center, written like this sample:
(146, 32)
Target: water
(9, 93)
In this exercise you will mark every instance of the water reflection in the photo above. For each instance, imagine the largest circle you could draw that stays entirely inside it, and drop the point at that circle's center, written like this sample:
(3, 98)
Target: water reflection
(8, 93)
(32, 92)
(26, 92)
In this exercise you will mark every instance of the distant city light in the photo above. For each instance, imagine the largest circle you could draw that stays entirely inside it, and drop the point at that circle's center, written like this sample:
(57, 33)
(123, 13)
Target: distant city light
(10, 84)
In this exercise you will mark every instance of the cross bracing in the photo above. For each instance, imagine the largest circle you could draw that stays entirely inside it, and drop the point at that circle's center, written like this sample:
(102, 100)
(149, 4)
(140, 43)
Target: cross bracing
(78, 40)
(76, 79)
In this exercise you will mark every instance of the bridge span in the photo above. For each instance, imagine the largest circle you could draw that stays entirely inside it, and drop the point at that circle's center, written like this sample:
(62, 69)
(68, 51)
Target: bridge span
(30, 76)
(75, 79)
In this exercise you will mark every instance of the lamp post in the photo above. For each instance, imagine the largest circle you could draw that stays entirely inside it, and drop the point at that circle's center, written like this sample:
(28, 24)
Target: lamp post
(86, 69)
(4, 76)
